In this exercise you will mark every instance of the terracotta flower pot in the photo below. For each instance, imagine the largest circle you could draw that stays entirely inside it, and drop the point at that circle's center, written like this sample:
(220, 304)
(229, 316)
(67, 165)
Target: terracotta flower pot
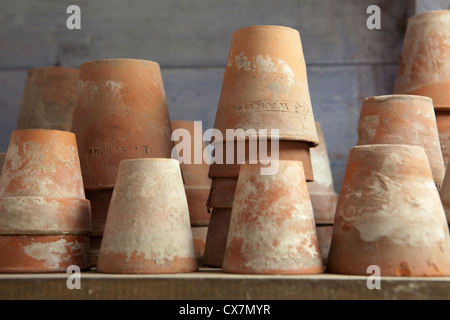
(43, 253)
(324, 236)
(265, 85)
(121, 114)
(389, 214)
(287, 150)
(148, 229)
(424, 65)
(196, 181)
(41, 188)
(272, 229)
(321, 190)
(44, 216)
(199, 235)
(443, 125)
(49, 99)
(402, 119)
(216, 238)
(2, 161)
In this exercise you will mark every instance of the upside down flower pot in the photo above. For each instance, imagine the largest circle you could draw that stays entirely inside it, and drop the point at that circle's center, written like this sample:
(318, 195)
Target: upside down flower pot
(389, 214)
(424, 64)
(402, 119)
(121, 114)
(272, 229)
(196, 181)
(148, 228)
(49, 99)
(265, 85)
(42, 197)
(321, 190)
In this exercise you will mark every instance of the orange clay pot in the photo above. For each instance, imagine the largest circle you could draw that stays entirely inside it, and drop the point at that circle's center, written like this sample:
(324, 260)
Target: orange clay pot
(272, 229)
(199, 235)
(265, 85)
(443, 125)
(2, 161)
(321, 190)
(49, 99)
(287, 150)
(43, 253)
(424, 65)
(389, 214)
(41, 188)
(324, 235)
(402, 119)
(121, 114)
(148, 229)
(216, 238)
(196, 181)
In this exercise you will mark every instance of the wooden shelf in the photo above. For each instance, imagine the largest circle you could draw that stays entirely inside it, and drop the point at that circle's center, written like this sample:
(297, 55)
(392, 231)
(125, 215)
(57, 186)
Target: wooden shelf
(212, 284)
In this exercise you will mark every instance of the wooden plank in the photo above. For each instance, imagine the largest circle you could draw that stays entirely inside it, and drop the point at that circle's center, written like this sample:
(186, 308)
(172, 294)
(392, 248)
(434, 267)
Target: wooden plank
(217, 285)
(12, 84)
(194, 32)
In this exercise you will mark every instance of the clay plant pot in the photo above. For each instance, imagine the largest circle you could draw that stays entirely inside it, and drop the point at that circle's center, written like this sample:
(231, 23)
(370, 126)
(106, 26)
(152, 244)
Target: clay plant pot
(321, 190)
(121, 114)
(43, 253)
(389, 214)
(265, 86)
(42, 197)
(216, 238)
(148, 229)
(287, 150)
(402, 119)
(424, 68)
(324, 236)
(49, 99)
(196, 181)
(272, 229)
(199, 235)
(2, 161)
(443, 126)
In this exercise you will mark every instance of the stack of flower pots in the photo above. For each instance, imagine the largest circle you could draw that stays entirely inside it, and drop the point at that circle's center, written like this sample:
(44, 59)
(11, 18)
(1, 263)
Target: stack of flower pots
(425, 69)
(121, 113)
(49, 99)
(196, 181)
(264, 88)
(45, 218)
(322, 194)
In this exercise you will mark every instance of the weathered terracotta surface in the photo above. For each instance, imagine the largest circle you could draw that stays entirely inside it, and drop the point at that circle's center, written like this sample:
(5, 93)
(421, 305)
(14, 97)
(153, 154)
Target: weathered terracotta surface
(424, 66)
(402, 119)
(265, 85)
(41, 188)
(2, 162)
(49, 99)
(43, 253)
(287, 150)
(199, 235)
(321, 190)
(445, 195)
(222, 193)
(443, 125)
(324, 235)
(148, 229)
(394, 219)
(195, 176)
(216, 239)
(272, 229)
(121, 114)
(99, 200)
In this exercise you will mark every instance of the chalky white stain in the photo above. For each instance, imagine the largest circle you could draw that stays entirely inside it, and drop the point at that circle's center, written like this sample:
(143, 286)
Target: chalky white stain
(149, 233)
(269, 242)
(51, 254)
